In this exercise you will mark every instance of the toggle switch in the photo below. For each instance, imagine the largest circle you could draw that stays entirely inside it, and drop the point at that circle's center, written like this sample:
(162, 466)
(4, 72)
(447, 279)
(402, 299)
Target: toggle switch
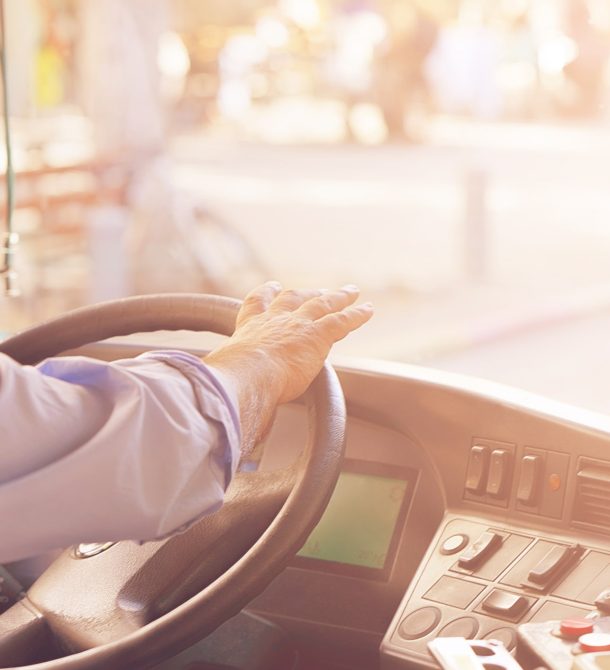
(529, 480)
(477, 469)
(555, 562)
(478, 551)
(505, 604)
(499, 471)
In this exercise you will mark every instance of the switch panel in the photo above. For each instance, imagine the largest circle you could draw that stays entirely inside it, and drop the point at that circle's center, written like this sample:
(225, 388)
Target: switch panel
(489, 472)
(508, 575)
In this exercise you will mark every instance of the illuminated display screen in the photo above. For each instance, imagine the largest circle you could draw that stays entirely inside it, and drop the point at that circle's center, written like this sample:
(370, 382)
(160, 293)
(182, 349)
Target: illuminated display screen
(359, 525)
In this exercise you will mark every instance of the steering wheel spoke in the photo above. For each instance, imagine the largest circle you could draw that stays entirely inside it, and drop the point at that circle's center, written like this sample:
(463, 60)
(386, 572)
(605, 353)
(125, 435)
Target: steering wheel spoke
(24, 635)
(187, 563)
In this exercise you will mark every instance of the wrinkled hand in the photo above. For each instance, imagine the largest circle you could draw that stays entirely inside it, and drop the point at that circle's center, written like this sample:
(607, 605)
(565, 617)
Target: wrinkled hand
(281, 340)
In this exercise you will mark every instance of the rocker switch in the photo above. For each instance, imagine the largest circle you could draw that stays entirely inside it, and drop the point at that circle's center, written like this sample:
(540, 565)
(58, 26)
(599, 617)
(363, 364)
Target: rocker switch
(527, 492)
(499, 470)
(505, 604)
(478, 551)
(477, 469)
(557, 561)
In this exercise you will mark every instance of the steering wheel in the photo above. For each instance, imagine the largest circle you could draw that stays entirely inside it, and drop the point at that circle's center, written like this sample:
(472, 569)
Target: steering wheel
(131, 605)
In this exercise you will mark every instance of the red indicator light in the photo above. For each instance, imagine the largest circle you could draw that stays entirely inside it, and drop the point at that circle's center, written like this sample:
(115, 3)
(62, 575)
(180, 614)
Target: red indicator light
(576, 627)
(554, 482)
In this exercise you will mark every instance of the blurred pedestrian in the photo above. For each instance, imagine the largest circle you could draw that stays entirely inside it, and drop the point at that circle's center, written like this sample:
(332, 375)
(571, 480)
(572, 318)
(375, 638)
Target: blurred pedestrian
(401, 75)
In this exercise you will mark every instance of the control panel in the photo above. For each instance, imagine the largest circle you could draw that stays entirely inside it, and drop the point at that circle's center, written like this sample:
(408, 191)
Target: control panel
(527, 479)
(483, 581)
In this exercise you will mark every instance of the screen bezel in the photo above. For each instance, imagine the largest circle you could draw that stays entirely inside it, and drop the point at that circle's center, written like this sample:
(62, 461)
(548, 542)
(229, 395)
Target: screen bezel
(374, 469)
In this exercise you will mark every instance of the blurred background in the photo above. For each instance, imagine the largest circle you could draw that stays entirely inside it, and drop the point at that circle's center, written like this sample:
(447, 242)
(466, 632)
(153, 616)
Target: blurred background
(452, 157)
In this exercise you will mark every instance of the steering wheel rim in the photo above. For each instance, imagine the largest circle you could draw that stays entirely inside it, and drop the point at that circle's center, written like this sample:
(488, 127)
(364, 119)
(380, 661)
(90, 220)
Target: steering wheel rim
(314, 478)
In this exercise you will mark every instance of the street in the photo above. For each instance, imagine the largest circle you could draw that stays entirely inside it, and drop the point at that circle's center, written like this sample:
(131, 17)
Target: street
(509, 281)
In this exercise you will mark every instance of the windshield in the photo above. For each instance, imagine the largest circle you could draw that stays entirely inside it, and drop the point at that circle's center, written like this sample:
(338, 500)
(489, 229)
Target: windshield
(449, 156)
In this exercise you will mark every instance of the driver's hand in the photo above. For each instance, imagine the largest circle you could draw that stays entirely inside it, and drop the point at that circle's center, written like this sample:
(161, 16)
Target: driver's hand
(281, 340)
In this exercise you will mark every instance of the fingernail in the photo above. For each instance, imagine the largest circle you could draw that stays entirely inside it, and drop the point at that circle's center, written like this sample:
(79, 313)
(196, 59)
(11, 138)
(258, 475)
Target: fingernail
(273, 284)
(368, 306)
(351, 288)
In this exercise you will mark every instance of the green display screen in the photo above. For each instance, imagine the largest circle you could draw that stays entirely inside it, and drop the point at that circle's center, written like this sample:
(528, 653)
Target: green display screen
(359, 523)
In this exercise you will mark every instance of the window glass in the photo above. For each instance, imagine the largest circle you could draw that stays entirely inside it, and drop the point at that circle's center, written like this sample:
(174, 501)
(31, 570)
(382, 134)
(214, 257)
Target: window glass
(449, 156)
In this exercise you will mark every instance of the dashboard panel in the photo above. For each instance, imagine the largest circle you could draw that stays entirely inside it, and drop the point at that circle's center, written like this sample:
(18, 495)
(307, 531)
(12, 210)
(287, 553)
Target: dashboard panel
(525, 533)
(523, 485)
(502, 516)
(350, 599)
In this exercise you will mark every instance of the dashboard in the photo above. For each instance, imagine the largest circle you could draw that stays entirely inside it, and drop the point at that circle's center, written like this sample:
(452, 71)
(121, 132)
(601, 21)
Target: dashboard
(500, 502)
(464, 508)
(345, 584)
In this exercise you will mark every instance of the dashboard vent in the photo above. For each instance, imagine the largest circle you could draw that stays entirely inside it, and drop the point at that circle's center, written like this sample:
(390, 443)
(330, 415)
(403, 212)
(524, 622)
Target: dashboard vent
(592, 502)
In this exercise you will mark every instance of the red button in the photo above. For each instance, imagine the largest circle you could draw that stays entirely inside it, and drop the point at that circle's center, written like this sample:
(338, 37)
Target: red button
(595, 642)
(576, 627)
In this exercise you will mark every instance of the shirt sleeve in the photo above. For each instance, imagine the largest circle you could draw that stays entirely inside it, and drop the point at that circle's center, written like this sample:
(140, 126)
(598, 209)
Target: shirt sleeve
(93, 451)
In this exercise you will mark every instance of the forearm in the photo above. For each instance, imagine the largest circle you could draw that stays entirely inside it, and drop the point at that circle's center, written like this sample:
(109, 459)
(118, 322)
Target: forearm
(43, 419)
(133, 450)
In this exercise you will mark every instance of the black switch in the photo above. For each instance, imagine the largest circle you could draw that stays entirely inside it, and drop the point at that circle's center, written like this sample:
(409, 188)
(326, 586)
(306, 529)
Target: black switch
(529, 480)
(505, 604)
(478, 551)
(556, 561)
(499, 470)
(477, 469)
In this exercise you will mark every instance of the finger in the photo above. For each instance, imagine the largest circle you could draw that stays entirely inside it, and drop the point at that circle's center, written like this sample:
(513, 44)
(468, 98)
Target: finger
(293, 298)
(258, 300)
(333, 301)
(334, 327)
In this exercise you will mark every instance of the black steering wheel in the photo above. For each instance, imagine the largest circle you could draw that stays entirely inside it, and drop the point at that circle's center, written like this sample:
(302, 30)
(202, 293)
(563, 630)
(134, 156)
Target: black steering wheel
(131, 605)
